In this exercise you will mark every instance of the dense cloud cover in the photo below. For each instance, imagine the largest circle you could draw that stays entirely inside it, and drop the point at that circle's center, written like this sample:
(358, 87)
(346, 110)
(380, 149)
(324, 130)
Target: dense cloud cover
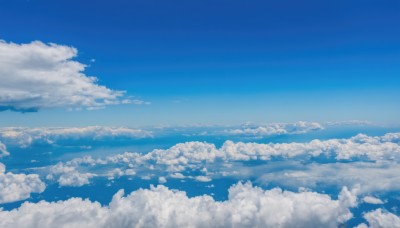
(247, 206)
(38, 75)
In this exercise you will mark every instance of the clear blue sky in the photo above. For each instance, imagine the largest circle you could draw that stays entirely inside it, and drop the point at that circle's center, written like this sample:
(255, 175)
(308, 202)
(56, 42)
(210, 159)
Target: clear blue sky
(220, 61)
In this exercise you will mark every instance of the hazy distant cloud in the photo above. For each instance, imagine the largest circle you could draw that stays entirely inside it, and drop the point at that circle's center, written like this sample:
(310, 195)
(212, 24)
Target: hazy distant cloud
(247, 206)
(15, 187)
(49, 135)
(349, 122)
(38, 75)
(300, 127)
(372, 177)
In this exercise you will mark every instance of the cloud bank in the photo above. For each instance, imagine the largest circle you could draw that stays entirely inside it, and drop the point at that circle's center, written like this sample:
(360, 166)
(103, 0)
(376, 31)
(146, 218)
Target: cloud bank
(300, 127)
(38, 75)
(247, 206)
(24, 137)
(362, 154)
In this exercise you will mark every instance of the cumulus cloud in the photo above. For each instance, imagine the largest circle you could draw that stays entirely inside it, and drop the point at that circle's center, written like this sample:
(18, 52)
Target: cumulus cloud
(247, 206)
(24, 137)
(38, 75)
(300, 127)
(374, 148)
(203, 179)
(16, 187)
(379, 218)
(180, 160)
(68, 175)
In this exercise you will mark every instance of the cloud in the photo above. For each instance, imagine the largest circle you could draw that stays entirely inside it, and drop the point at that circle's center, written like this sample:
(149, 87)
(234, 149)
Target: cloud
(16, 187)
(210, 162)
(300, 127)
(24, 137)
(203, 179)
(247, 206)
(3, 150)
(38, 75)
(372, 177)
(372, 200)
(379, 218)
(68, 175)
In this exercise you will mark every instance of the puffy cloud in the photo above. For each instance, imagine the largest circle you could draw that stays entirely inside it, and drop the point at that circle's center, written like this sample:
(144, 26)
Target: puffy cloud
(247, 206)
(183, 154)
(372, 200)
(184, 158)
(15, 187)
(374, 148)
(300, 127)
(38, 75)
(3, 150)
(68, 175)
(203, 179)
(162, 180)
(379, 218)
(26, 136)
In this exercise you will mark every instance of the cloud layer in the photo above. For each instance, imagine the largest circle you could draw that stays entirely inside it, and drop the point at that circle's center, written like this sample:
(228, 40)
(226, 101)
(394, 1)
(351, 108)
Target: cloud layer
(24, 137)
(247, 206)
(376, 155)
(252, 130)
(38, 75)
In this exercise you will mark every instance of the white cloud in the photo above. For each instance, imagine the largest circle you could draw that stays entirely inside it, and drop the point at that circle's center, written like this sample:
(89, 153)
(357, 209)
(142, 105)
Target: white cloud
(3, 150)
(26, 136)
(177, 175)
(162, 180)
(372, 200)
(224, 161)
(349, 122)
(38, 75)
(68, 175)
(374, 148)
(379, 218)
(203, 179)
(372, 177)
(246, 206)
(300, 127)
(15, 187)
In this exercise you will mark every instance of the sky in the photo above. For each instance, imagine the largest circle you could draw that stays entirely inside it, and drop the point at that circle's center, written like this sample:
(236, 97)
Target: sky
(199, 113)
(220, 62)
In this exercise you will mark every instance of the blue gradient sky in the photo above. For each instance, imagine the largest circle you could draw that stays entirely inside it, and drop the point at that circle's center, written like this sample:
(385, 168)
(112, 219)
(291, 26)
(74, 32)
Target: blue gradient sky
(222, 61)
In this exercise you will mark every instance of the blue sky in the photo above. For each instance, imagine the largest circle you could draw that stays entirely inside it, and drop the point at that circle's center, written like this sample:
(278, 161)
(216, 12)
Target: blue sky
(202, 61)
(205, 112)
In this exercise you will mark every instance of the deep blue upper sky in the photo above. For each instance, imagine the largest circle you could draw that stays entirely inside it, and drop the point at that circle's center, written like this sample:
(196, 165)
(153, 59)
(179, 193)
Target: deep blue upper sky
(220, 61)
